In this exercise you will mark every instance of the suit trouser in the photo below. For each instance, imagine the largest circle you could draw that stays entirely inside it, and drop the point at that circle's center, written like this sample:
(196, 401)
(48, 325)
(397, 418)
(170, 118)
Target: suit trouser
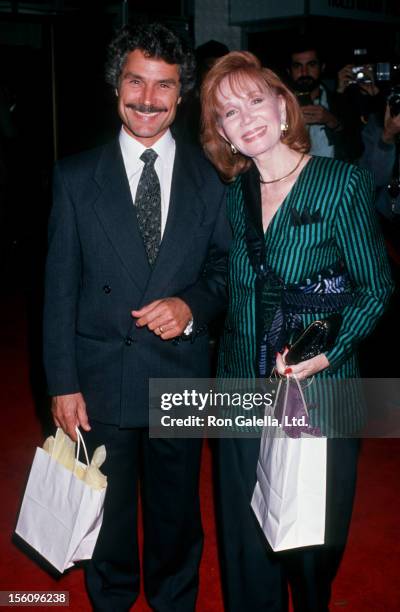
(168, 472)
(254, 578)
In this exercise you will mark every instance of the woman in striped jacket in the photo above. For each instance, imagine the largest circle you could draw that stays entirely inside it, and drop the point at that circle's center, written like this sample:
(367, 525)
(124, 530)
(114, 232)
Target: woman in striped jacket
(305, 245)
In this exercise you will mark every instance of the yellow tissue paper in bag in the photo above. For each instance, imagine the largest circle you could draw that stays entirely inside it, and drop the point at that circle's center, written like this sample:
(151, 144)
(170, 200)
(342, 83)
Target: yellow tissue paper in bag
(63, 450)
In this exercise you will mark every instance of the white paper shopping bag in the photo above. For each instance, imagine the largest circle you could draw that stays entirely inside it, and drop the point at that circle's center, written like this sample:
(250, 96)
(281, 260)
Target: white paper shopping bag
(289, 498)
(61, 514)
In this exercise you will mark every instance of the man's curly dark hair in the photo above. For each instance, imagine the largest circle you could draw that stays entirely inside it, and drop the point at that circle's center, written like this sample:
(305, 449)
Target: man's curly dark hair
(156, 41)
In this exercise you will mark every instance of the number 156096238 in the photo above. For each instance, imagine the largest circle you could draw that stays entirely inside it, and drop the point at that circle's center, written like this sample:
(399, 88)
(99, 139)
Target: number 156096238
(34, 598)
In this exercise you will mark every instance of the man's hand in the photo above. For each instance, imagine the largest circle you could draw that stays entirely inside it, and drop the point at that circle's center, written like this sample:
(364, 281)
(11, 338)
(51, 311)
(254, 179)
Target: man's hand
(345, 78)
(301, 370)
(391, 127)
(314, 113)
(167, 318)
(69, 411)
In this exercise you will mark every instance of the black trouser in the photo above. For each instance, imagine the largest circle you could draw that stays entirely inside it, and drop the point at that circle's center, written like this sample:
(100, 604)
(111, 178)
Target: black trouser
(168, 471)
(311, 571)
(254, 578)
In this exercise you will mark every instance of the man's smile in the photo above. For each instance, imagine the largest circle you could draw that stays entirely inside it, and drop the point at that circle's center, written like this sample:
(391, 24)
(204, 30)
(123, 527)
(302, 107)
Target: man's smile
(143, 110)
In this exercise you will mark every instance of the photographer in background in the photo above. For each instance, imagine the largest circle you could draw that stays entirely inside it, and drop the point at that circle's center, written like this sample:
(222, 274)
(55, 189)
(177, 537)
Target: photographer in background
(362, 76)
(381, 156)
(331, 124)
(358, 88)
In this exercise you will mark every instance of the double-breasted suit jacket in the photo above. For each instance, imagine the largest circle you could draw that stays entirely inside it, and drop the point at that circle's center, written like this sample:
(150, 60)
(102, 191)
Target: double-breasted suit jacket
(97, 272)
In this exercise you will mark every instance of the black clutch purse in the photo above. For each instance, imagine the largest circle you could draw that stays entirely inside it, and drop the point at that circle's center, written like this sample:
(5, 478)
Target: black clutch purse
(317, 338)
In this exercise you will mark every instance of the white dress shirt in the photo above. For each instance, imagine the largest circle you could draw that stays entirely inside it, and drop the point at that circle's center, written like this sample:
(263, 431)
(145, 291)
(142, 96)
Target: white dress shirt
(165, 147)
(319, 140)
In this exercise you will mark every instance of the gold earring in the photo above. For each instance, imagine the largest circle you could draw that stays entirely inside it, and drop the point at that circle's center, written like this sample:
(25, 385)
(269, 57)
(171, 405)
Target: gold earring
(233, 149)
(284, 127)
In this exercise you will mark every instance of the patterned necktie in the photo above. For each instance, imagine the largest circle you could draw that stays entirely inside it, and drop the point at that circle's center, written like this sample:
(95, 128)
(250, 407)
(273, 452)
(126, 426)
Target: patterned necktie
(148, 205)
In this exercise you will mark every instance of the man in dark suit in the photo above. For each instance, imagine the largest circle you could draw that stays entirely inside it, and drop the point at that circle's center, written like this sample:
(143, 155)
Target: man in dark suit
(137, 251)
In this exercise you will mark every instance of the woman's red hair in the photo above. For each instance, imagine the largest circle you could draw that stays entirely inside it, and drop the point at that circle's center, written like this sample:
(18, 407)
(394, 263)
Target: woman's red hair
(239, 67)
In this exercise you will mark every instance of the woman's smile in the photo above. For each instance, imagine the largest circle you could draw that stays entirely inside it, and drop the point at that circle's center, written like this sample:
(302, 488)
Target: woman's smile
(252, 135)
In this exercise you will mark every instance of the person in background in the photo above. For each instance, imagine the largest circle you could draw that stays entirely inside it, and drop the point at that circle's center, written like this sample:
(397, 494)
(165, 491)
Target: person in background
(306, 244)
(206, 56)
(379, 156)
(357, 89)
(187, 124)
(330, 122)
(138, 241)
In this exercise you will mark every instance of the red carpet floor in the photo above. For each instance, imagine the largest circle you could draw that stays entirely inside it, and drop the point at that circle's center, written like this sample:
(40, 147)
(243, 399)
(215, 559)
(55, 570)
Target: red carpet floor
(369, 576)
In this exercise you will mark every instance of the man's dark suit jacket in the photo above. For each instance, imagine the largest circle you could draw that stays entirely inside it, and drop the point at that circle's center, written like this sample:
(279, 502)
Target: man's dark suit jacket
(97, 272)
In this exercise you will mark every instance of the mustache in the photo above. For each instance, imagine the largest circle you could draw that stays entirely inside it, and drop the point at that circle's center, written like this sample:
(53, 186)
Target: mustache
(147, 108)
(305, 84)
(305, 79)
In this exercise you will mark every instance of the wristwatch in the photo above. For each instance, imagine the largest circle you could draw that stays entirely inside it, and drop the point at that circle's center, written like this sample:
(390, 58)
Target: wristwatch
(189, 328)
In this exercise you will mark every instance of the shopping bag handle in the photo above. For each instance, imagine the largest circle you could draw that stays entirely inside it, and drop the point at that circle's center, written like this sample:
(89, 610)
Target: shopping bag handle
(301, 393)
(78, 448)
(279, 390)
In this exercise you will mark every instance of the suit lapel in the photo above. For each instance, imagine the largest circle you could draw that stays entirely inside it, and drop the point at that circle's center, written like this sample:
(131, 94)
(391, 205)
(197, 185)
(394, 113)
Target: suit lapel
(116, 212)
(184, 215)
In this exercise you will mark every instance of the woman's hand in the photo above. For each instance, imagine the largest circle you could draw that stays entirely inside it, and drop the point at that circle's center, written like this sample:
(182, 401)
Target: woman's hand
(303, 369)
